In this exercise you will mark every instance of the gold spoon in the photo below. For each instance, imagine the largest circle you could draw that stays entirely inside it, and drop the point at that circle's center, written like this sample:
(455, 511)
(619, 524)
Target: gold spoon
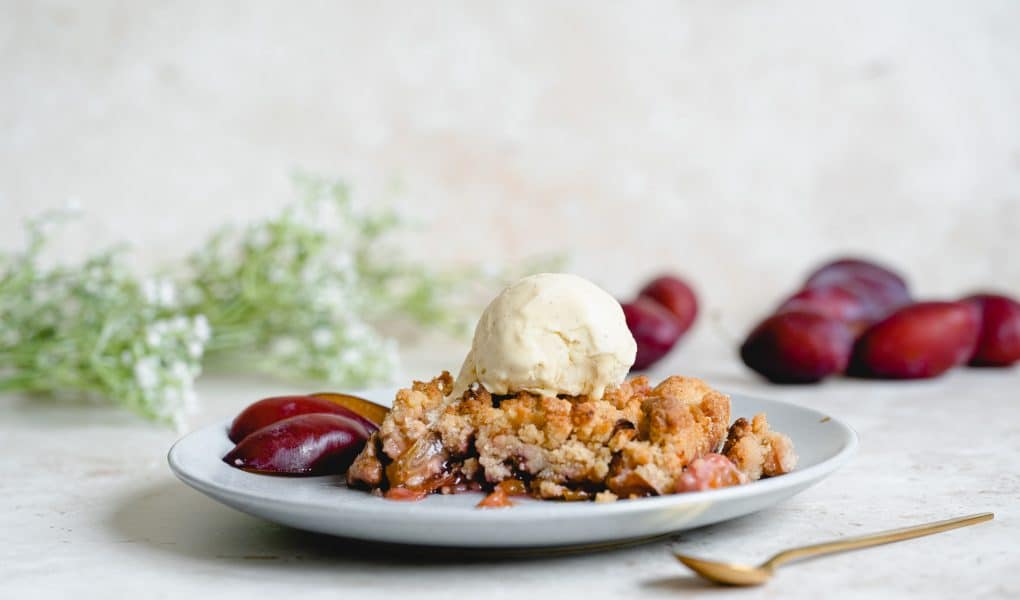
(737, 574)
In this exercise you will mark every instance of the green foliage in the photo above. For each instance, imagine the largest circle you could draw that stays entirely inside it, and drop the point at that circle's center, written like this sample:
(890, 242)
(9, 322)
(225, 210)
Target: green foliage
(298, 295)
(95, 328)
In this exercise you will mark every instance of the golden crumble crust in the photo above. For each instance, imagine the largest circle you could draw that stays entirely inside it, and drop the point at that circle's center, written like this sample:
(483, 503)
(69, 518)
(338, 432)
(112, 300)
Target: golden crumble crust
(634, 441)
(757, 450)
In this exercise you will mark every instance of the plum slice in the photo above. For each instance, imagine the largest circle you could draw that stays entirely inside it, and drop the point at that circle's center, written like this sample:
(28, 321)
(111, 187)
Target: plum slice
(270, 410)
(309, 444)
(370, 410)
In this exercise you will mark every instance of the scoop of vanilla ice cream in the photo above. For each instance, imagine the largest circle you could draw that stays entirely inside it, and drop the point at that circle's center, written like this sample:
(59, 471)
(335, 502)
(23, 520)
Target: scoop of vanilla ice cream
(549, 334)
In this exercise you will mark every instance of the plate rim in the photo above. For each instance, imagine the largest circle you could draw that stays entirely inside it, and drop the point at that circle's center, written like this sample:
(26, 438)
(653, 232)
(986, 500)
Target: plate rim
(555, 510)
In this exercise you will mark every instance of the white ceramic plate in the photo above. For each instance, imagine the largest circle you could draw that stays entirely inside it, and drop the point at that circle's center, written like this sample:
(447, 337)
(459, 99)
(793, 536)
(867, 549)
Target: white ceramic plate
(325, 505)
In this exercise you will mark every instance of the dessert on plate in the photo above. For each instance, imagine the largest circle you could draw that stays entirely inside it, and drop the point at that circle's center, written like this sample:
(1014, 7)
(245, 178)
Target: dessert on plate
(541, 406)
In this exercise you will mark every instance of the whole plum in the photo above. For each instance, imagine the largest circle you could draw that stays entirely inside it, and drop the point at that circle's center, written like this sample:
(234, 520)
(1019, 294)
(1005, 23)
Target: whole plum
(832, 301)
(798, 347)
(655, 329)
(999, 342)
(881, 289)
(918, 341)
(677, 296)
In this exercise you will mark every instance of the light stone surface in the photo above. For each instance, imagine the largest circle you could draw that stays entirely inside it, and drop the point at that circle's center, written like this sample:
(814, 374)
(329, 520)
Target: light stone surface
(736, 142)
(89, 508)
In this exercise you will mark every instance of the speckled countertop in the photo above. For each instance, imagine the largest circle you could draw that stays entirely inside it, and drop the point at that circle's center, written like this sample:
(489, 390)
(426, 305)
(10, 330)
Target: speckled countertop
(738, 143)
(89, 507)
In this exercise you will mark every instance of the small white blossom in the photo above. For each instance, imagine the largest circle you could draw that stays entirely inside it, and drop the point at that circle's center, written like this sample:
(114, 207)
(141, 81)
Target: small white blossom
(153, 338)
(344, 263)
(167, 293)
(358, 331)
(322, 337)
(201, 328)
(150, 291)
(172, 397)
(179, 324)
(258, 238)
(286, 346)
(146, 373)
(350, 356)
(180, 371)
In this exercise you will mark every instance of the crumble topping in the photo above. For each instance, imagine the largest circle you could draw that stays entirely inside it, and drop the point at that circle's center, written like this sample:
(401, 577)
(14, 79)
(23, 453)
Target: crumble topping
(757, 450)
(635, 441)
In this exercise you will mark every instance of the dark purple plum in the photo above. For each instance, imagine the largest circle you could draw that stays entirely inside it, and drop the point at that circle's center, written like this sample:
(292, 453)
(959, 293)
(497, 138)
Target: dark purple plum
(309, 444)
(677, 296)
(882, 290)
(270, 410)
(655, 329)
(798, 347)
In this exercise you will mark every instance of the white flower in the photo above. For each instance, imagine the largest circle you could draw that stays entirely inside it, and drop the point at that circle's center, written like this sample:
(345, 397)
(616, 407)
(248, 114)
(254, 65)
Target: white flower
(350, 356)
(332, 297)
(179, 324)
(167, 293)
(150, 291)
(172, 396)
(195, 350)
(201, 328)
(146, 372)
(322, 337)
(358, 332)
(344, 263)
(286, 346)
(153, 338)
(180, 371)
(258, 238)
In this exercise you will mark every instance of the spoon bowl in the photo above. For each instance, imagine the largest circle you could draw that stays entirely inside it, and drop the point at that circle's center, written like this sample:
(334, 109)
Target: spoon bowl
(726, 573)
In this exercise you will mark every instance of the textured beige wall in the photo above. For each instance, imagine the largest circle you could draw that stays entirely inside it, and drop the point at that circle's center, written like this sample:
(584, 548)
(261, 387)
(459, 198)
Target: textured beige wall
(738, 142)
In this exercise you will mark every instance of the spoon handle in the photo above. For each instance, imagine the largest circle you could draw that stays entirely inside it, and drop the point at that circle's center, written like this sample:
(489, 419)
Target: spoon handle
(875, 539)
